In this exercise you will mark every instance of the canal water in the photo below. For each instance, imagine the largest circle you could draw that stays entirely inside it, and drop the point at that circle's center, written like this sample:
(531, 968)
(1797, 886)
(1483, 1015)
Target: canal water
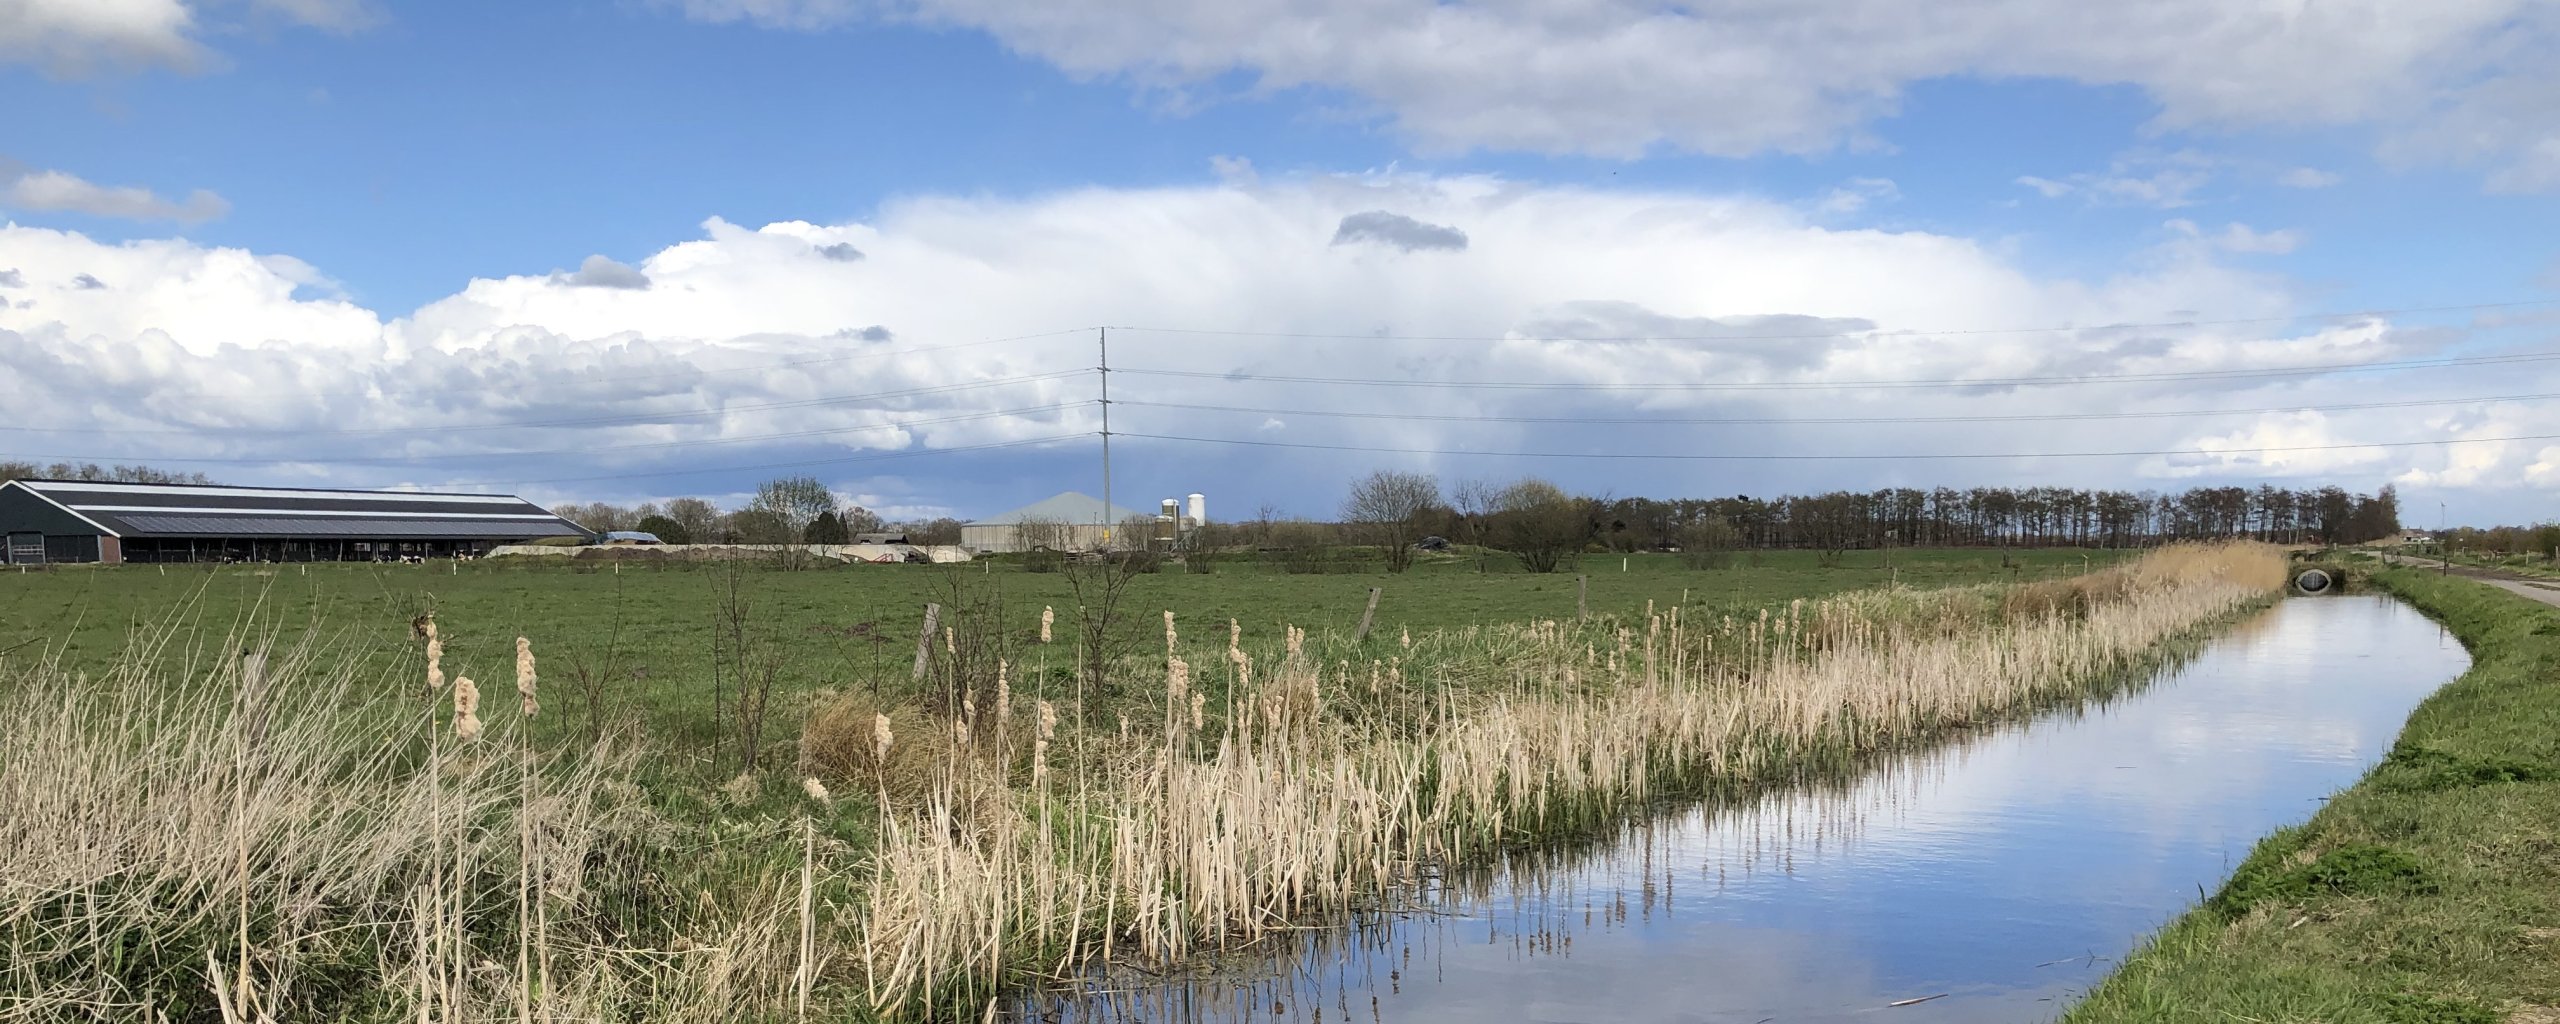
(1992, 879)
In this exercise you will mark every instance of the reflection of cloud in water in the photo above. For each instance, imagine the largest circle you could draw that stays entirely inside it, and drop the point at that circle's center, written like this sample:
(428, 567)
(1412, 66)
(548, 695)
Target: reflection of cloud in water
(2001, 868)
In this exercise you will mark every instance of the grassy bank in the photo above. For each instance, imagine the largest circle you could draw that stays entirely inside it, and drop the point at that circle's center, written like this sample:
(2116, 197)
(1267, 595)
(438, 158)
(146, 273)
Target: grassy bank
(651, 639)
(2428, 892)
(306, 834)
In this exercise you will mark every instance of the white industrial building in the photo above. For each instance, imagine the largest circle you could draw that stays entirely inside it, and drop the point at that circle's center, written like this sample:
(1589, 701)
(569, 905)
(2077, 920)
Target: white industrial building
(1074, 521)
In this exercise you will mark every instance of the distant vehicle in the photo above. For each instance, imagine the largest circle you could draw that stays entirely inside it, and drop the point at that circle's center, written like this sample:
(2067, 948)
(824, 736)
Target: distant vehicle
(1433, 544)
(627, 538)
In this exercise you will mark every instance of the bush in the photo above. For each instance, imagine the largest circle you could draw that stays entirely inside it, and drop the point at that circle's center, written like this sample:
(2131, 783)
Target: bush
(1043, 560)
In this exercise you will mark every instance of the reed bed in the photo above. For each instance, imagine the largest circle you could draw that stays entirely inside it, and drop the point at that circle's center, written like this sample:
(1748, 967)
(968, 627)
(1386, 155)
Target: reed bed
(1330, 786)
(216, 830)
(262, 839)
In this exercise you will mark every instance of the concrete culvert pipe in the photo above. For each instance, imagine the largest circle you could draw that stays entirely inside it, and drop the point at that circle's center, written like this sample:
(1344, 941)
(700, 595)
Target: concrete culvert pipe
(2312, 581)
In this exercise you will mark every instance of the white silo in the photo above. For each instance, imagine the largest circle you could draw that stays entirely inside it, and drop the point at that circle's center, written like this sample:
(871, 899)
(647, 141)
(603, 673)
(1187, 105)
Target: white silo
(1199, 509)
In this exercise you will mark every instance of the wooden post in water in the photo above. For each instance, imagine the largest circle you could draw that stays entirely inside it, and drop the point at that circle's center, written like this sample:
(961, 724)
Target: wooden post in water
(1369, 614)
(924, 641)
(1582, 597)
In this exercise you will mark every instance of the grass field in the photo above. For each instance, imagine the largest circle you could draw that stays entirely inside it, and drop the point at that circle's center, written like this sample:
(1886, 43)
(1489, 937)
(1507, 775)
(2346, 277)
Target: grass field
(345, 832)
(2429, 893)
(856, 626)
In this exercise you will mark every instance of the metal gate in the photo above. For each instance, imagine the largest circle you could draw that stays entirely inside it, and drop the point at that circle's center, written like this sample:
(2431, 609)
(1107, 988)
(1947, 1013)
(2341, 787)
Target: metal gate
(26, 549)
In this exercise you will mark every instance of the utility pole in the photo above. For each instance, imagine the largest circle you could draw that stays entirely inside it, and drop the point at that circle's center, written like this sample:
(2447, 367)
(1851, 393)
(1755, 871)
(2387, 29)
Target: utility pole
(1102, 337)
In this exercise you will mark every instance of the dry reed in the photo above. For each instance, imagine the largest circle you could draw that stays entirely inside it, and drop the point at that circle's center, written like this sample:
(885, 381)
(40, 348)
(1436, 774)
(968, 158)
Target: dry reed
(1303, 805)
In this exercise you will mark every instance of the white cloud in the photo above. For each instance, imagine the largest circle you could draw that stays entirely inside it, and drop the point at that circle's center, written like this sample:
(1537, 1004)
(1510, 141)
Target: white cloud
(2474, 78)
(59, 192)
(2165, 181)
(2308, 177)
(601, 272)
(746, 332)
(2240, 238)
(1856, 193)
(77, 37)
(73, 36)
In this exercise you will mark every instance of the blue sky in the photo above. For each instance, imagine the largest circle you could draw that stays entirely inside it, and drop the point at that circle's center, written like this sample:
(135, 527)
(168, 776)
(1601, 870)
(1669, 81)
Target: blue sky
(389, 190)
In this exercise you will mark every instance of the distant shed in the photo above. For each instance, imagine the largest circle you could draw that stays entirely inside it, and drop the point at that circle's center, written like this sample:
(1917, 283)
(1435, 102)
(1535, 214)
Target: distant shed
(48, 521)
(1070, 521)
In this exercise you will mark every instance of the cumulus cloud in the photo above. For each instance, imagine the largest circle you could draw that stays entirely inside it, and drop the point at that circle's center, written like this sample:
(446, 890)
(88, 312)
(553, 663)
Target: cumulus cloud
(59, 192)
(2240, 238)
(2466, 80)
(2308, 177)
(1720, 324)
(1856, 194)
(9, 279)
(602, 272)
(2164, 181)
(841, 252)
(1399, 231)
(80, 37)
(85, 282)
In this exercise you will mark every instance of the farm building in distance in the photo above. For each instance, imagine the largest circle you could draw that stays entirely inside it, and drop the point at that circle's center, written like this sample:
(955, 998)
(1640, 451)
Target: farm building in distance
(1075, 521)
(1071, 521)
(46, 521)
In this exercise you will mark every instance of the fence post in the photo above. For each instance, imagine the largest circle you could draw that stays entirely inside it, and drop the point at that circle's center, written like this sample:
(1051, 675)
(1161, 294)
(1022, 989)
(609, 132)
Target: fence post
(1371, 613)
(924, 641)
(1582, 597)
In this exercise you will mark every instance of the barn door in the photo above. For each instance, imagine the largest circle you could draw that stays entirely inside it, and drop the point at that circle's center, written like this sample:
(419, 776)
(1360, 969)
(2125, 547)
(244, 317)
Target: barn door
(26, 549)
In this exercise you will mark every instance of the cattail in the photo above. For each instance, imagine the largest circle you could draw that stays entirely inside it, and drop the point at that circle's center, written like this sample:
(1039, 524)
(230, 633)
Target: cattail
(1169, 638)
(1046, 730)
(950, 641)
(1124, 725)
(435, 655)
(1004, 694)
(881, 737)
(1046, 615)
(817, 790)
(1199, 711)
(1235, 642)
(960, 732)
(968, 708)
(466, 709)
(1297, 643)
(525, 677)
(1408, 638)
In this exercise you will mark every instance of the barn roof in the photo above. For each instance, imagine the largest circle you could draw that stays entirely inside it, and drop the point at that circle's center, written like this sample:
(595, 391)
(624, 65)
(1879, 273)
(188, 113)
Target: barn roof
(1073, 508)
(197, 510)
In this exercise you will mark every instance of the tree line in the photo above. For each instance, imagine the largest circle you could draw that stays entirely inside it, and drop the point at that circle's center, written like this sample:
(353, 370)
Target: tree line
(93, 472)
(1545, 527)
(789, 510)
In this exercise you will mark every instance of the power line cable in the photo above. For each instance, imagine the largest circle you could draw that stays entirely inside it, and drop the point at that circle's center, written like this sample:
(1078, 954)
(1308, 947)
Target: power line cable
(1767, 420)
(628, 418)
(699, 372)
(1829, 457)
(378, 460)
(1963, 332)
(2164, 376)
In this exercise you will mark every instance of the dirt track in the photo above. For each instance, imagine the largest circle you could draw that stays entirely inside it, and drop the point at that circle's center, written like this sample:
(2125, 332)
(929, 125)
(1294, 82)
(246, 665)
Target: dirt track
(2545, 591)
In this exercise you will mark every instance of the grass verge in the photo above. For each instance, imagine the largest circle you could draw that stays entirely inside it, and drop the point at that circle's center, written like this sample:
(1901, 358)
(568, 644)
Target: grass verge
(2428, 892)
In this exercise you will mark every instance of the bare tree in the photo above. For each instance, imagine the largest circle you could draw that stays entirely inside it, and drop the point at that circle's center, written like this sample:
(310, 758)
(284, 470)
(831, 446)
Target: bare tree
(1540, 524)
(1389, 509)
(700, 519)
(796, 500)
(1040, 535)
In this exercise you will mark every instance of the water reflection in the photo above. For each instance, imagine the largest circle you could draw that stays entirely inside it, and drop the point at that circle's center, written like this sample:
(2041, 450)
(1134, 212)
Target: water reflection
(1995, 878)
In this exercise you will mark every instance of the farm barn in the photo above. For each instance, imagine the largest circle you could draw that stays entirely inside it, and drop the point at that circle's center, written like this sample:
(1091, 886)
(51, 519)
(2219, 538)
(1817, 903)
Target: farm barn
(1071, 521)
(51, 521)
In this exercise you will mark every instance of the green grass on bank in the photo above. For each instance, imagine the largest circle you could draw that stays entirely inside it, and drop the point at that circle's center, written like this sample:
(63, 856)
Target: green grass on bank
(2428, 893)
(855, 626)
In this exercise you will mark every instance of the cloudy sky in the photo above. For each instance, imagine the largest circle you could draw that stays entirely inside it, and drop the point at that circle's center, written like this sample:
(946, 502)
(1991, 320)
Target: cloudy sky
(629, 249)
